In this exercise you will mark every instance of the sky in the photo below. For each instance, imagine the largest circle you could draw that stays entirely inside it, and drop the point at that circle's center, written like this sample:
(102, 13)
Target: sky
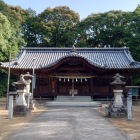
(83, 7)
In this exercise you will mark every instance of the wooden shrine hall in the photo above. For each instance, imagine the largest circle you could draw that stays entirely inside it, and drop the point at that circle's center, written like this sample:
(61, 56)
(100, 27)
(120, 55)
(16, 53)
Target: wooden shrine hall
(84, 71)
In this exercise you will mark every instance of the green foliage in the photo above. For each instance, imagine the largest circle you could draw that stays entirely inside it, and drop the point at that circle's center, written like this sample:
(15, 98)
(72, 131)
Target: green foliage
(11, 19)
(104, 29)
(136, 80)
(5, 34)
(133, 35)
(3, 83)
(16, 18)
(53, 27)
(58, 26)
(137, 10)
(32, 28)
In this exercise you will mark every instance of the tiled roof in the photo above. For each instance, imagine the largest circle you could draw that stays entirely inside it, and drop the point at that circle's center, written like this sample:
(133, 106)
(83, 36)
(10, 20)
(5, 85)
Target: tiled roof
(106, 58)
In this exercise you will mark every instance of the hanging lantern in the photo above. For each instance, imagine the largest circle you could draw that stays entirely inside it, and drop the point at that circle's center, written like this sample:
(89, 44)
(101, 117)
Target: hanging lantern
(68, 80)
(59, 79)
(81, 80)
(76, 80)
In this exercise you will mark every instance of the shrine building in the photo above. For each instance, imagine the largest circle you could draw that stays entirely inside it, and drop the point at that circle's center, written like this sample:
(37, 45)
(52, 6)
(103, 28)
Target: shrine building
(87, 71)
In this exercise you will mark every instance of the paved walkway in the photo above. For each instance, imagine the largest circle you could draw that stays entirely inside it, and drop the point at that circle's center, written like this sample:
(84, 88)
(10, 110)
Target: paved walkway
(71, 123)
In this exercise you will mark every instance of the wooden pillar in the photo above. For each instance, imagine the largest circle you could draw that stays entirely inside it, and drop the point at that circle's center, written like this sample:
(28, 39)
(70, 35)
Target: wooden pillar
(37, 85)
(52, 87)
(91, 86)
(55, 86)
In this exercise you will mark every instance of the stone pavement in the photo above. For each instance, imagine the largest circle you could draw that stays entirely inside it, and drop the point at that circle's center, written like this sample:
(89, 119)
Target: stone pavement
(69, 123)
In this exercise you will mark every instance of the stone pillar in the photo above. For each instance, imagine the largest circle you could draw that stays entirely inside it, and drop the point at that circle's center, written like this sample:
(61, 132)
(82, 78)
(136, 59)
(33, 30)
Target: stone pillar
(12, 95)
(129, 100)
(10, 108)
(129, 105)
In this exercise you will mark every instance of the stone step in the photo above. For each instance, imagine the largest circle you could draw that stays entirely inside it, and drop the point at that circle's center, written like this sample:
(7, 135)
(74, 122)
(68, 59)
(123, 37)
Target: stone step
(73, 104)
(73, 99)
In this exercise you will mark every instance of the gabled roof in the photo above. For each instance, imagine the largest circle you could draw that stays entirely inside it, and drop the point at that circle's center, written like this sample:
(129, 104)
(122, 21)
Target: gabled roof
(106, 58)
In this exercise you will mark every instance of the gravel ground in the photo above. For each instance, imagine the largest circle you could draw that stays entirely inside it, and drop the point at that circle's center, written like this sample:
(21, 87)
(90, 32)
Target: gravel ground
(71, 123)
(131, 128)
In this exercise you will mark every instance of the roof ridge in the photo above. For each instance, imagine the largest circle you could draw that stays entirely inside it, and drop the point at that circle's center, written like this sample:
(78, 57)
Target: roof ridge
(20, 57)
(77, 48)
(127, 57)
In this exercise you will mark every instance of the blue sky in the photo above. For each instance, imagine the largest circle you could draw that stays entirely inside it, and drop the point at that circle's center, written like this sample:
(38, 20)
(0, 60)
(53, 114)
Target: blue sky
(83, 7)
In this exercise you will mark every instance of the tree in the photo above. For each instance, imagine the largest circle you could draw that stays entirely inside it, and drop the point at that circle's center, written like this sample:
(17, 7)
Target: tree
(133, 33)
(5, 34)
(11, 19)
(32, 28)
(58, 24)
(15, 17)
(104, 29)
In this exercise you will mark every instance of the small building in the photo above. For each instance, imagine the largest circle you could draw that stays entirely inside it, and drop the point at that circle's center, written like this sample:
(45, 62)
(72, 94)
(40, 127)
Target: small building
(88, 71)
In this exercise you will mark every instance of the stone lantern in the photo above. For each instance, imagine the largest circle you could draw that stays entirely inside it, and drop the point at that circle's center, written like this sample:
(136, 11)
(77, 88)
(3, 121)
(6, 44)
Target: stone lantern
(117, 107)
(28, 78)
(118, 83)
(21, 108)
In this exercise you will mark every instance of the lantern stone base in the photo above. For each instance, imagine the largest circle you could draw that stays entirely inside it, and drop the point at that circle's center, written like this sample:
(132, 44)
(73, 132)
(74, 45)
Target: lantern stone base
(117, 109)
(116, 112)
(21, 111)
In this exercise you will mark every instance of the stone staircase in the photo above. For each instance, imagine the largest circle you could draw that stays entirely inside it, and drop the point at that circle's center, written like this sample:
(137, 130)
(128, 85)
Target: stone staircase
(80, 101)
(73, 99)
